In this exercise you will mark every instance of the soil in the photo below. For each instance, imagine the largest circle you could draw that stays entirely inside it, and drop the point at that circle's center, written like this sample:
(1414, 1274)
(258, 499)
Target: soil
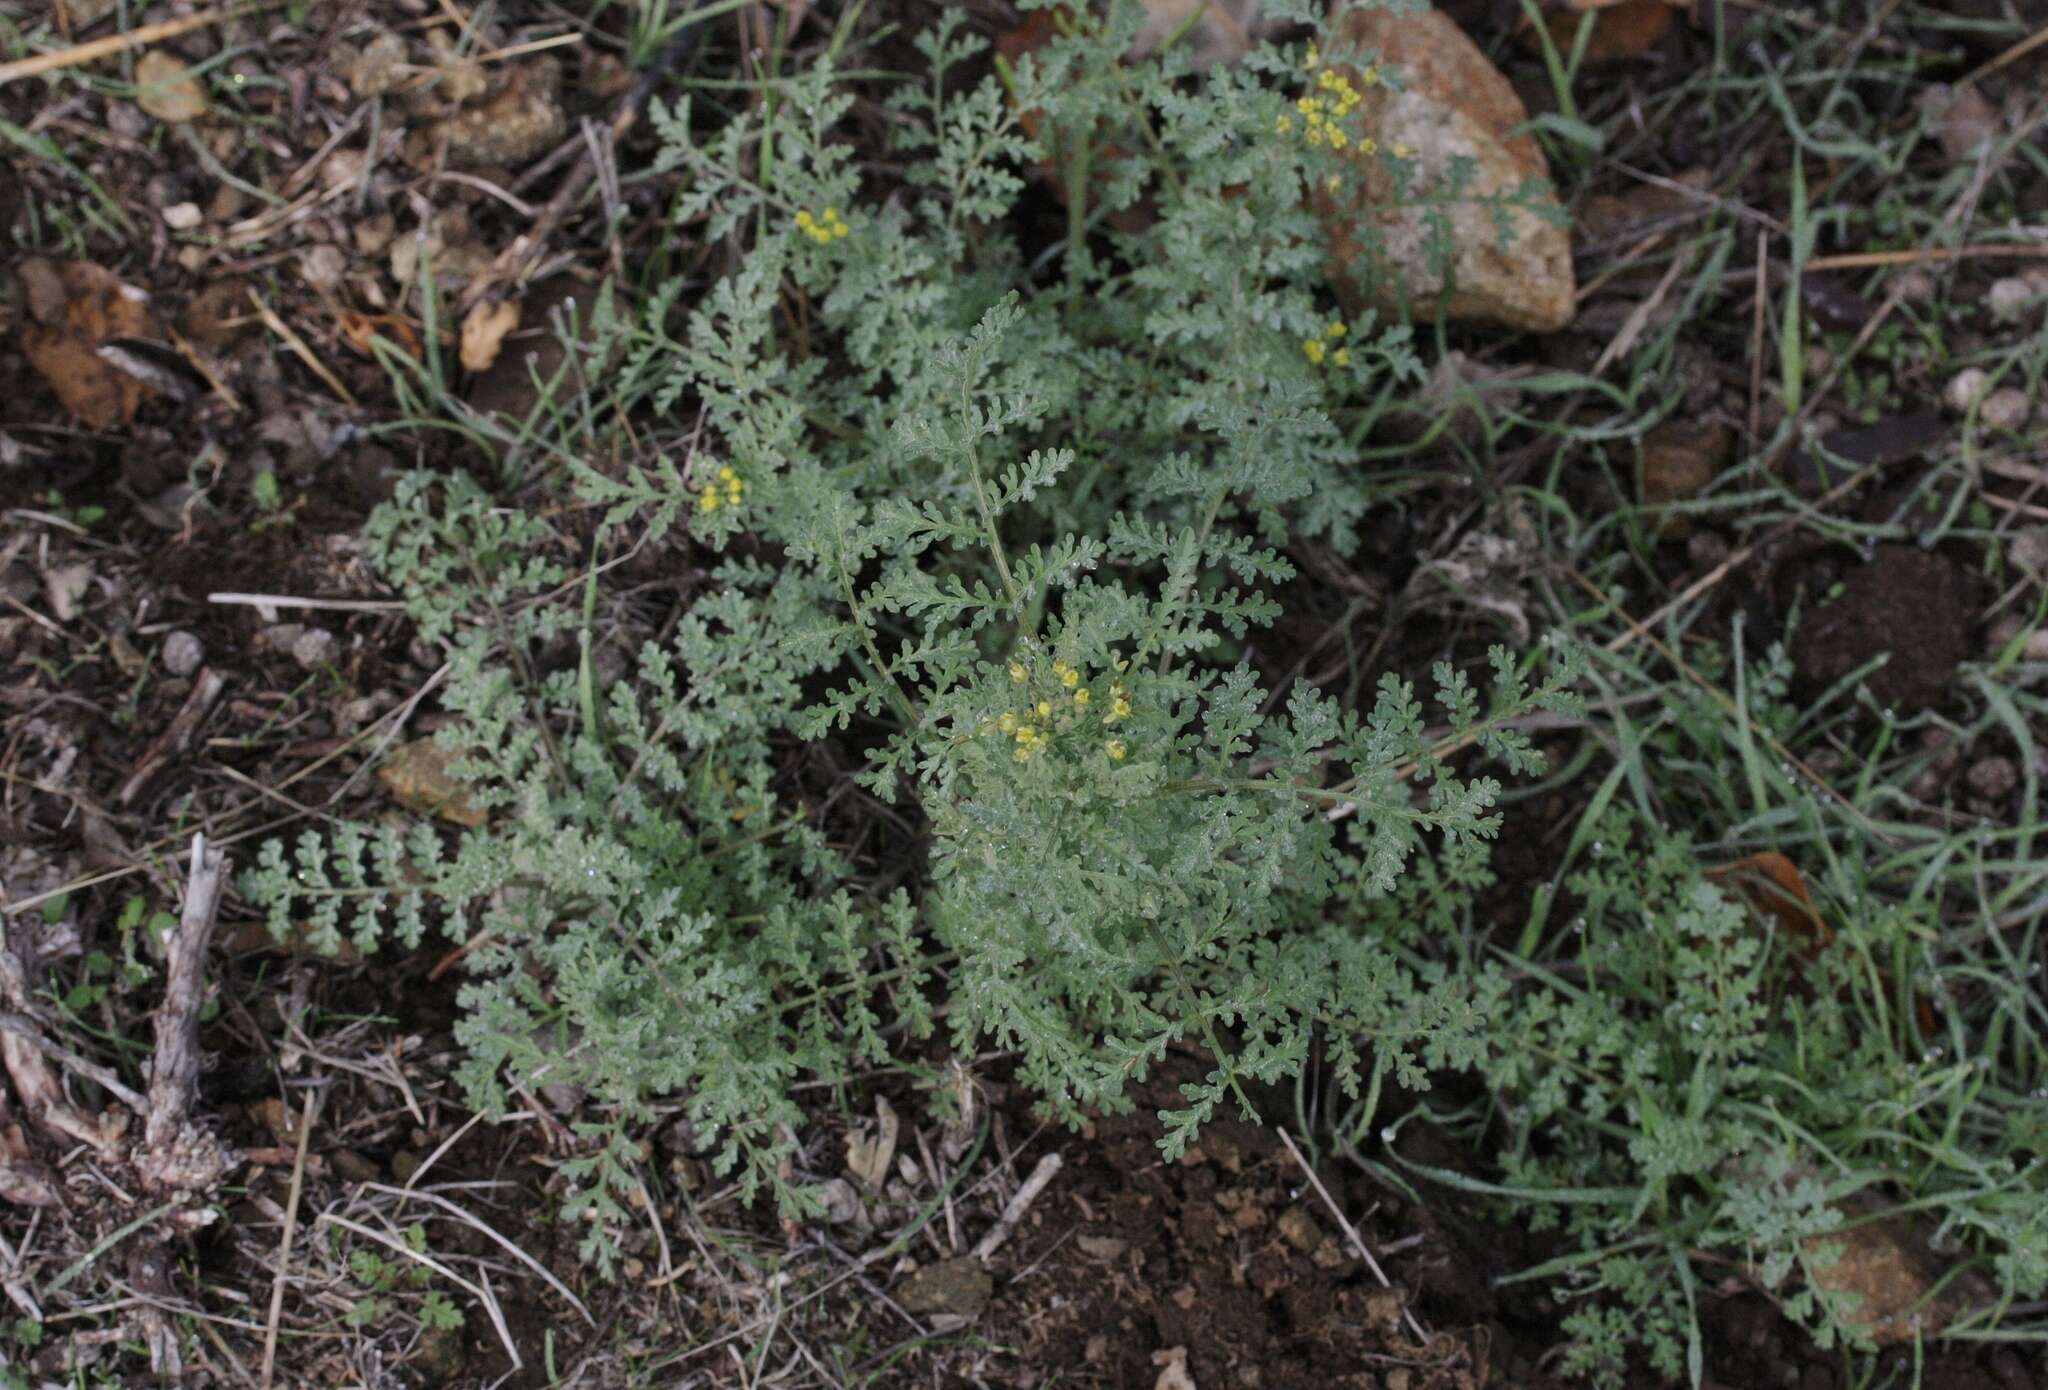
(1910, 608)
(128, 508)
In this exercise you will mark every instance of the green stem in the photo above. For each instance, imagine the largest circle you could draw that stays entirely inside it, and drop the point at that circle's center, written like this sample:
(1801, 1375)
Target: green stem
(880, 671)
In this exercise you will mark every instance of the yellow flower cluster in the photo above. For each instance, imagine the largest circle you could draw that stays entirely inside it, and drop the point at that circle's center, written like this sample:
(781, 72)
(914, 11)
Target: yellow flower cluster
(824, 229)
(1317, 349)
(1334, 99)
(1030, 727)
(728, 490)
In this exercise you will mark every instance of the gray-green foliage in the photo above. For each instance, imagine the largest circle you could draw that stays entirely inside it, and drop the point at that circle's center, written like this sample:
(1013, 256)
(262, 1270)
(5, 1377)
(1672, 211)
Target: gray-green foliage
(999, 534)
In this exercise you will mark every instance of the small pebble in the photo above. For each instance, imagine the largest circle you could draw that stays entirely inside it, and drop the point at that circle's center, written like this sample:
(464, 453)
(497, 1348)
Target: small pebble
(1993, 778)
(323, 266)
(1964, 389)
(2010, 298)
(1706, 549)
(182, 217)
(315, 647)
(1915, 287)
(182, 653)
(2005, 409)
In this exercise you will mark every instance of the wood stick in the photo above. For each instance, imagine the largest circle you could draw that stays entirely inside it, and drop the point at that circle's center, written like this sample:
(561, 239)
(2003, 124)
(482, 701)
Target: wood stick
(206, 689)
(1013, 1212)
(118, 43)
(176, 1155)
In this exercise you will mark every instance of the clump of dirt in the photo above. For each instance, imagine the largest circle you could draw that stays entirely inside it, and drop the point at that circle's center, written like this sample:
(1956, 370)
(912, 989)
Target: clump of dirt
(1915, 607)
(1230, 1264)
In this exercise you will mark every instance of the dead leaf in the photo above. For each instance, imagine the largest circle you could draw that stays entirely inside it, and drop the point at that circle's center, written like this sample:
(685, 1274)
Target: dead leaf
(1173, 1370)
(869, 1153)
(358, 329)
(484, 331)
(416, 775)
(44, 286)
(1681, 459)
(1622, 29)
(66, 585)
(167, 90)
(78, 306)
(1772, 884)
(218, 315)
(278, 1118)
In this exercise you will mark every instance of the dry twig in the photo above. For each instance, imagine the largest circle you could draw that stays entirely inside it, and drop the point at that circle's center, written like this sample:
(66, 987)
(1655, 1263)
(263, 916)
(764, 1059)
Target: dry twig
(177, 1155)
(115, 44)
(1358, 1245)
(1013, 1212)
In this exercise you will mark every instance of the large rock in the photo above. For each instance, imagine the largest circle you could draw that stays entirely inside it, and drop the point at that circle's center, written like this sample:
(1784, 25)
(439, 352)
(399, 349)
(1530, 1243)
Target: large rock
(1453, 103)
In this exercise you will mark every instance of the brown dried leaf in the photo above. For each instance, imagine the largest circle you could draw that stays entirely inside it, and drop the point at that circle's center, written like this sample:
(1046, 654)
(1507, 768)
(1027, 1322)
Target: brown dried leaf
(62, 346)
(417, 777)
(870, 1151)
(484, 331)
(1622, 29)
(167, 90)
(358, 329)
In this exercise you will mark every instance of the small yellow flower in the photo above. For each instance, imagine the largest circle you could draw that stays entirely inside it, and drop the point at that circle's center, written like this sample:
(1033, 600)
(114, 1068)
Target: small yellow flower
(1316, 135)
(1337, 329)
(1336, 181)
(1314, 59)
(1338, 139)
(1404, 151)
(1026, 735)
(1045, 709)
(1370, 76)
(1070, 678)
(1285, 125)
(1341, 357)
(1022, 755)
(1312, 348)
(708, 502)
(1368, 146)
(1008, 723)
(1116, 750)
(1017, 672)
(1081, 697)
(822, 229)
